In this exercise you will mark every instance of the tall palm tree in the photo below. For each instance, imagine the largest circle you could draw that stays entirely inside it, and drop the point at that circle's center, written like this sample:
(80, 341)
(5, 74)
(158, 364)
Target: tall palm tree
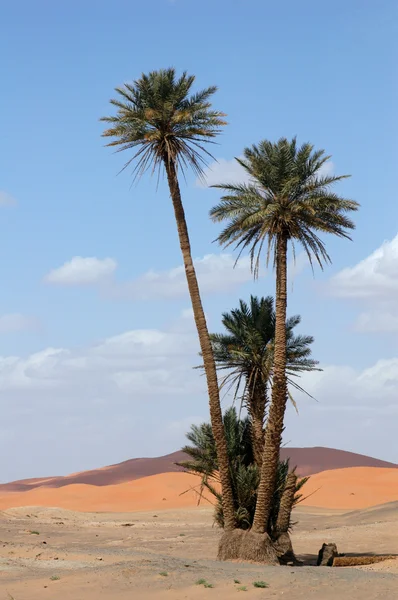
(165, 125)
(246, 351)
(288, 199)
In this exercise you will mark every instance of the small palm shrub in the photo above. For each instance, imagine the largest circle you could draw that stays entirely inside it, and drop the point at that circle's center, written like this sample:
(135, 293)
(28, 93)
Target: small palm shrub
(245, 476)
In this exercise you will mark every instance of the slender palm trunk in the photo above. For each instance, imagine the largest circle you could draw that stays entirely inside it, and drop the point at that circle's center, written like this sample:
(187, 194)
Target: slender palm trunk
(274, 427)
(205, 346)
(286, 504)
(257, 399)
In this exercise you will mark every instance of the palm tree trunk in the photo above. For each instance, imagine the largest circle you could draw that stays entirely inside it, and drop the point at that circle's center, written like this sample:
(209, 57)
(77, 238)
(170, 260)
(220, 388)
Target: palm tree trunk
(205, 345)
(274, 427)
(286, 504)
(257, 399)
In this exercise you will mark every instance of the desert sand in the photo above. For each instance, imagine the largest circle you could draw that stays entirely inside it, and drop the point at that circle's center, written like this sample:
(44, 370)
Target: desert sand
(63, 555)
(155, 492)
(358, 487)
(354, 488)
(148, 539)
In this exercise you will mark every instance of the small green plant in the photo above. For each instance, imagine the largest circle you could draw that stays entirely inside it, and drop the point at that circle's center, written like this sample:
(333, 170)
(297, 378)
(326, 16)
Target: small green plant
(55, 578)
(236, 581)
(182, 534)
(205, 583)
(34, 532)
(260, 584)
(242, 588)
(163, 573)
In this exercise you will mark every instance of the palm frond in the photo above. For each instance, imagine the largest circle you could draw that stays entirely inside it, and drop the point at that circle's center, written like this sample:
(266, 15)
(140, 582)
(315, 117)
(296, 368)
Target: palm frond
(245, 475)
(159, 119)
(287, 194)
(246, 349)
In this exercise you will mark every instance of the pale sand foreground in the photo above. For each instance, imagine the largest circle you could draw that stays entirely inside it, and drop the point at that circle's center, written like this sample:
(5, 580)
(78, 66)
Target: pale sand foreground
(353, 488)
(121, 556)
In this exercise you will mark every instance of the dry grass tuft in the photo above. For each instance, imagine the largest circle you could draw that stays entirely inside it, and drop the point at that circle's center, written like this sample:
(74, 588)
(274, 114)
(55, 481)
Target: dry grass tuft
(357, 561)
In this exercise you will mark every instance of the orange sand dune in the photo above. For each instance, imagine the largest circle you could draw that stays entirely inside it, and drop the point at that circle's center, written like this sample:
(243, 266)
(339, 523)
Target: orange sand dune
(307, 461)
(354, 488)
(148, 493)
(358, 487)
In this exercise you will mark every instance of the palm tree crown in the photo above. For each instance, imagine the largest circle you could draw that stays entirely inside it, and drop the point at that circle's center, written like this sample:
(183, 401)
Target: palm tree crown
(246, 350)
(157, 116)
(287, 196)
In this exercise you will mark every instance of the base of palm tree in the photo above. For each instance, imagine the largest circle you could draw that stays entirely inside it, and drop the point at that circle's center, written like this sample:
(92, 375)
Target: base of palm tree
(240, 544)
(284, 550)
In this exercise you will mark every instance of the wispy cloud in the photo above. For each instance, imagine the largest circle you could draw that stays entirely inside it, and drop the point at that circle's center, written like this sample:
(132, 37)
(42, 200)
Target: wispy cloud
(374, 277)
(373, 282)
(223, 171)
(82, 271)
(230, 171)
(108, 392)
(6, 199)
(216, 273)
(17, 322)
(326, 169)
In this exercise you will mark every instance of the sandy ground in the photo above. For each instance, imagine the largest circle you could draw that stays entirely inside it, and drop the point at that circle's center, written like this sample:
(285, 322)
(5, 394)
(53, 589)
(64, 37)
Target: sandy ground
(62, 555)
(353, 488)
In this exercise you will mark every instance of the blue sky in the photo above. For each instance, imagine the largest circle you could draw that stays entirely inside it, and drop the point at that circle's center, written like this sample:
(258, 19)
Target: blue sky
(326, 73)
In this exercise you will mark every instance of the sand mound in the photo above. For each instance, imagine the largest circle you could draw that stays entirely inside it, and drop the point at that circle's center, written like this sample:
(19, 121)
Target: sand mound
(359, 487)
(383, 513)
(148, 493)
(307, 460)
(351, 489)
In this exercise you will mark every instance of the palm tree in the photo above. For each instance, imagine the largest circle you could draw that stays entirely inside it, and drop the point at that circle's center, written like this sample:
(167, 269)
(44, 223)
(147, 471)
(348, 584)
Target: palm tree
(245, 475)
(287, 199)
(167, 126)
(246, 353)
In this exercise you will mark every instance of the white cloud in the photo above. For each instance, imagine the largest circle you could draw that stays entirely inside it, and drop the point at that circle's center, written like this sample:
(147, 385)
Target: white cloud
(82, 271)
(16, 322)
(223, 171)
(297, 265)
(6, 199)
(374, 277)
(119, 398)
(135, 394)
(378, 321)
(215, 272)
(356, 388)
(230, 171)
(374, 283)
(356, 409)
(326, 169)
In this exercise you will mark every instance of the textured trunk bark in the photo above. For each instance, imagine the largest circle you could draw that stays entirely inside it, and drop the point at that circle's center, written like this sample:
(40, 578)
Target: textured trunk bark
(205, 346)
(274, 427)
(257, 400)
(286, 505)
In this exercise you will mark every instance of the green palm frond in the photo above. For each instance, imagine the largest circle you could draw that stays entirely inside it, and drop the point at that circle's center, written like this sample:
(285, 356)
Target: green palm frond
(245, 475)
(287, 195)
(246, 348)
(159, 119)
